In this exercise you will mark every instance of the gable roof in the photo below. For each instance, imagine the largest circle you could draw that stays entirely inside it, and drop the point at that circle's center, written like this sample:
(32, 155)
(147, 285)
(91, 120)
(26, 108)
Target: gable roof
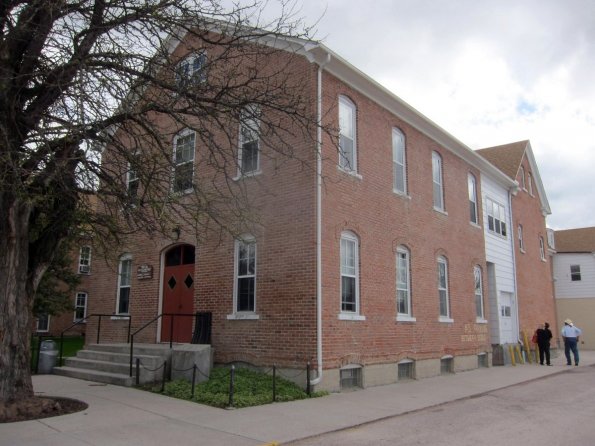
(508, 159)
(575, 240)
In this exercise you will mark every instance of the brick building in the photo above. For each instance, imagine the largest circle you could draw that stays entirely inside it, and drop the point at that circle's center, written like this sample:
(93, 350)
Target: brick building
(371, 266)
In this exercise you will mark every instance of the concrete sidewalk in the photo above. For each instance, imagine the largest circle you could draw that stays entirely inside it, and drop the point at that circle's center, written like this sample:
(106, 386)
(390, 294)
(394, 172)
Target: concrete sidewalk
(125, 416)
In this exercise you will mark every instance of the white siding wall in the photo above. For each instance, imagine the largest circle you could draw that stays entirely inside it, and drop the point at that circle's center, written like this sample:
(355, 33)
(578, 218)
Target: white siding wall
(499, 251)
(565, 287)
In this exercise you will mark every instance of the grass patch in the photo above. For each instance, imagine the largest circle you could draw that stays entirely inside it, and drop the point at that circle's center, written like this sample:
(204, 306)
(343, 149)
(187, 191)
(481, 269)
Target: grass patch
(71, 346)
(252, 388)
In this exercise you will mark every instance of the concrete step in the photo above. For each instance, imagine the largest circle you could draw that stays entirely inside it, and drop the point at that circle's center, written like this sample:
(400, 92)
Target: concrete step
(118, 379)
(119, 358)
(139, 349)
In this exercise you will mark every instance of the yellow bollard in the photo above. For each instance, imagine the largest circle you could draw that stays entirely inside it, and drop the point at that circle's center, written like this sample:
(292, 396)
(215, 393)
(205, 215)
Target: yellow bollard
(527, 347)
(511, 352)
(518, 350)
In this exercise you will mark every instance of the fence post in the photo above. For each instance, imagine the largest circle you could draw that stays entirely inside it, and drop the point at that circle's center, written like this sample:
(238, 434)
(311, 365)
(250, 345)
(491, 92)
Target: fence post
(308, 386)
(163, 378)
(61, 349)
(231, 385)
(137, 372)
(129, 324)
(274, 383)
(131, 353)
(171, 330)
(98, 329)
(193, 380)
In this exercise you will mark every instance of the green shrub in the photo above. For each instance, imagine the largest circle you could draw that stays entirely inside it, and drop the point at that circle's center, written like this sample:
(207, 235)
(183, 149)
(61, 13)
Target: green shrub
(251, 388)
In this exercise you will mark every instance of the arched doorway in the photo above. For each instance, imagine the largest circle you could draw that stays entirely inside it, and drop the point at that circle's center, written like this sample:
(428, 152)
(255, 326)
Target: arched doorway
(178, 293)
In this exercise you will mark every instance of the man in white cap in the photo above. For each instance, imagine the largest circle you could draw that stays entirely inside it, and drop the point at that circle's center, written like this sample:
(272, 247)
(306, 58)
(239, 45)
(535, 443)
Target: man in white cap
(571, 335)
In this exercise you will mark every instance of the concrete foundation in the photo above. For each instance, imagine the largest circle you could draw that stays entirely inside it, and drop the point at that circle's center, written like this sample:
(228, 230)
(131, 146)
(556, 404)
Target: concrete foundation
(183, 358)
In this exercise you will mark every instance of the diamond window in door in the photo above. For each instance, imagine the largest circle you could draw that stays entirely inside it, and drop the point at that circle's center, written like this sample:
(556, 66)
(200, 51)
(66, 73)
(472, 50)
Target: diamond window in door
(188, 281)
(172, 282)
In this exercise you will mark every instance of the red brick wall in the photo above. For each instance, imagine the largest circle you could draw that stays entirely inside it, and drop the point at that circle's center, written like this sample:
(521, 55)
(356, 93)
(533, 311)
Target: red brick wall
(534, 276)
(383, 220)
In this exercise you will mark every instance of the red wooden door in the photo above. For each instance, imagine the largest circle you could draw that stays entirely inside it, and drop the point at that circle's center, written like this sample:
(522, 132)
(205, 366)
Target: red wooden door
(178, 294)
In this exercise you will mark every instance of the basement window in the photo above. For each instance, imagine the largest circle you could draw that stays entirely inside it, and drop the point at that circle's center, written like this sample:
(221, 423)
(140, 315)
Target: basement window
(351, 377)
(482, 360)
(405, 370)
(447, 365)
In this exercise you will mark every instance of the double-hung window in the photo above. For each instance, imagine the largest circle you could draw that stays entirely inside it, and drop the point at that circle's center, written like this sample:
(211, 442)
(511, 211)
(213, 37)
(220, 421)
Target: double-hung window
(541, 248)
(437, 181)
(575, 273)
(43, 322)
(347, 135)
(249, 156)
(472, 186)
(124, 282)
(530, 183)
(399, 163)
(403, 284)
(192, 70)
(245, 275)
(80, 306)
(132, 180)
(496, 217)
(521, 238)
(479, 313)
(443, 288)
(85, 260)
(349, 273)
(184, 161)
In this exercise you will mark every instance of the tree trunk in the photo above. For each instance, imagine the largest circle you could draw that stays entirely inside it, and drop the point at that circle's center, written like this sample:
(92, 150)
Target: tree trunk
(16, 300)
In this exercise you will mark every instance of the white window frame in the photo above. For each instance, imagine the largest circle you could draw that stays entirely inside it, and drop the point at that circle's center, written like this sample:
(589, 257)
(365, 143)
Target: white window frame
(249, 241)
(443, 292)
(530, 183)
(47, 328)
(189, 72)
(496, 218)
(249, 125)
(542, 248)
(346, 164)
(183, 134)
(85, 260)
(399, 161)
(132, 178)
(575, 276)
(349, 270)
(521, 238)
(77, 306)
(125, 258)
(472, 190)
(478, 287)
(522, 176)
(403, 284)
(437, 182)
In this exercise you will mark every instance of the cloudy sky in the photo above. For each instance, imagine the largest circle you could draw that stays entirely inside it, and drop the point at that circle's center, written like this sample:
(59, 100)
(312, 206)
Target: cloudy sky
(488, 72)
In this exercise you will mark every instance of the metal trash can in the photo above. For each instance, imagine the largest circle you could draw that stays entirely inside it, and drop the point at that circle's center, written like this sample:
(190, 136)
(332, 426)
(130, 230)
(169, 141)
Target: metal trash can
(48, 356)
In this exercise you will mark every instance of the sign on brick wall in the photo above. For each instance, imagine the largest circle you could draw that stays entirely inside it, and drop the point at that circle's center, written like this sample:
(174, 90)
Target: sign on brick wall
(144, 271)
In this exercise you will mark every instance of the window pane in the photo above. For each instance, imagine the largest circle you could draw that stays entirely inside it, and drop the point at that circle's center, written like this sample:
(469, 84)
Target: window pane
(183, 177)
(438, 196)
(346, 115)
(246, 294)
(250, 156)
(348, 294)
(184, 148)
(346, 158)
(188, 255)
(124, 300)
(443, 303)
(125, 272)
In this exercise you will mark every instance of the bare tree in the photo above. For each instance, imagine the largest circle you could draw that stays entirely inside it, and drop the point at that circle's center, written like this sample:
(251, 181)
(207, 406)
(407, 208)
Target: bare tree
(92, 95)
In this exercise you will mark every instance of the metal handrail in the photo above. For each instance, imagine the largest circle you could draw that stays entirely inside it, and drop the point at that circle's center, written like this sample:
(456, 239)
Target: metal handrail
(171, 331)
(99, 315)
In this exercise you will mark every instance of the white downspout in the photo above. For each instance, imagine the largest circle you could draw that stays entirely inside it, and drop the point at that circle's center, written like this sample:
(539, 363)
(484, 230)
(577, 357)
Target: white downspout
(512, 192)
(318, 378)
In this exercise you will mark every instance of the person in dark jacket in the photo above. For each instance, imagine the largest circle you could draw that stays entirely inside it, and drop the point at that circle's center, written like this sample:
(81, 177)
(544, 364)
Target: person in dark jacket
(544, 335)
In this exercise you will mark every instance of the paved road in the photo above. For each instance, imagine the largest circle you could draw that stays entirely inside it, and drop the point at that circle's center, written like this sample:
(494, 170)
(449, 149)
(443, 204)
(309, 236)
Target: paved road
(555, 410)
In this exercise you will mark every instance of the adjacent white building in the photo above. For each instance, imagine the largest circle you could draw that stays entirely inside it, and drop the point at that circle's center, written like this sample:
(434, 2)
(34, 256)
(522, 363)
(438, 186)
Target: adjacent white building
(574, 280)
